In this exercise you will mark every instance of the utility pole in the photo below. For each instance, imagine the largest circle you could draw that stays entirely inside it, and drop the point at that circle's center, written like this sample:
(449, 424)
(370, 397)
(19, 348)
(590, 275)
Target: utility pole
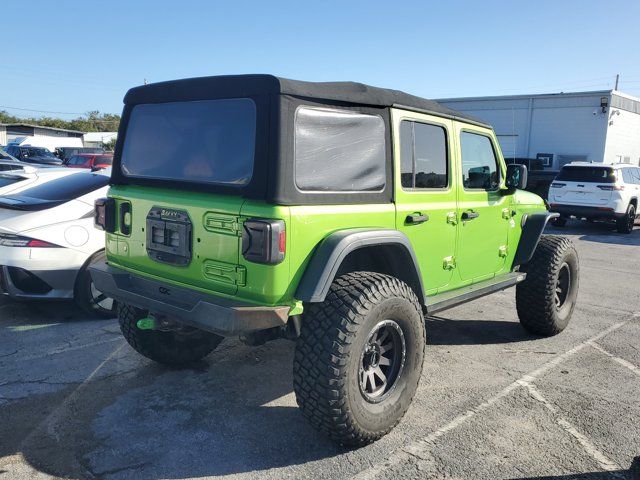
(617, 80)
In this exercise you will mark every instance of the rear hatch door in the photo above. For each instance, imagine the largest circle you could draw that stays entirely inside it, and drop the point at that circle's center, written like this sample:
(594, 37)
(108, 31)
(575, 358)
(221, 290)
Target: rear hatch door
(192, 238)
(583, 185)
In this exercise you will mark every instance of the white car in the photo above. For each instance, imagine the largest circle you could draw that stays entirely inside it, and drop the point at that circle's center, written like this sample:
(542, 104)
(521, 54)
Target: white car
(596, 192)
(48, 241)
(15, 179)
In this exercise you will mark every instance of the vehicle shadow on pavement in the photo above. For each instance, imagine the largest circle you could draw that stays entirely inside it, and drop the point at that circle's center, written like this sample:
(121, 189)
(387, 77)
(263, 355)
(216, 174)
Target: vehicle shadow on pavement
(233, 413)
(444, 331)
(41, 312)
(632, 474)
(599, 232)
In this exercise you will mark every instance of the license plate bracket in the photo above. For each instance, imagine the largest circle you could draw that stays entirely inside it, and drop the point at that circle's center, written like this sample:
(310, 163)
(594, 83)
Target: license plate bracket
(169, 236)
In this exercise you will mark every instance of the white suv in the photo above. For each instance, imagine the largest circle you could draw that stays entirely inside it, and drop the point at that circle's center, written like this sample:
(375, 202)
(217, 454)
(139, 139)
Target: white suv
(596, 192)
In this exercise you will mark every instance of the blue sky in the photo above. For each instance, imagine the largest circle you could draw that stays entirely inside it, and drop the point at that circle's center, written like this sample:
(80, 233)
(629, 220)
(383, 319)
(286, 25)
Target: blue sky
(70, 56)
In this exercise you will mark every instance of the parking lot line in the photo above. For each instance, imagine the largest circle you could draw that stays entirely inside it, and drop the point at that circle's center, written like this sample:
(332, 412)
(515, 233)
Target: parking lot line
(68, 349)
(605, 463)
(420, 448)
(50, 422)
(619, 360)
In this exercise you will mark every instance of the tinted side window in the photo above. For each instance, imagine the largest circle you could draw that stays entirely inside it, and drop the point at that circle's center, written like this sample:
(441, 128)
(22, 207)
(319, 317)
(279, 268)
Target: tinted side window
(423, 155)
(8, 180)
(636, 176)
(479, 163)
(339, 151)
(76, 160)
(66, 188)
(626, 175)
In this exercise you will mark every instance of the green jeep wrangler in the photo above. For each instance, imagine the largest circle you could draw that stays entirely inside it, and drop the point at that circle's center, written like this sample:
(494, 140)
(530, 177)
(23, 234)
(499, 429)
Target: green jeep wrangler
(337, 215)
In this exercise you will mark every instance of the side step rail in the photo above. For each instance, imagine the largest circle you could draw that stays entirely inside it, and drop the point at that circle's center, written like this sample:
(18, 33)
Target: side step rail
(443, 301)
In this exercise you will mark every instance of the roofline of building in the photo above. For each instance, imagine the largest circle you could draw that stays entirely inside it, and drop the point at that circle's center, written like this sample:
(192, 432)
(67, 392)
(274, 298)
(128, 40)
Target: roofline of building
(625, 95)
(30, 125)
(534, 95)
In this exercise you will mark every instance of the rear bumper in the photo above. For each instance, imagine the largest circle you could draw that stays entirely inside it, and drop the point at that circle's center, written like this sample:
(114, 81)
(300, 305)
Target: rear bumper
(39, 273)
(190, 307)
(583, 211)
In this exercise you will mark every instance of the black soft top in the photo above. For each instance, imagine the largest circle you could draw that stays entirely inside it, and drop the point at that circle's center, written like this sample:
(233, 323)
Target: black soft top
(230, 86)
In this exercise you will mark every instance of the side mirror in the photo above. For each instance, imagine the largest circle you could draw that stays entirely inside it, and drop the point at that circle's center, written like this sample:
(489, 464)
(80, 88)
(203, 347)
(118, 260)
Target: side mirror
(516, 177)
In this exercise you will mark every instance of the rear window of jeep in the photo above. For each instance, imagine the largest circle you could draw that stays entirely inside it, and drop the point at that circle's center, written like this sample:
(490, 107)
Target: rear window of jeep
(210, 141)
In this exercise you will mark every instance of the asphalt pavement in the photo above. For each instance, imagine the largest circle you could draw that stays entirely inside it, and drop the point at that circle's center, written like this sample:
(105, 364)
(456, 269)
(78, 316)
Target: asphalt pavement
(494, 402)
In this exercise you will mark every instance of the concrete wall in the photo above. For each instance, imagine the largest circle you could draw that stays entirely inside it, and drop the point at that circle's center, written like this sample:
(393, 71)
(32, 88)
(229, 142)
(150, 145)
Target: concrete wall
(623, 137)
(569, 125)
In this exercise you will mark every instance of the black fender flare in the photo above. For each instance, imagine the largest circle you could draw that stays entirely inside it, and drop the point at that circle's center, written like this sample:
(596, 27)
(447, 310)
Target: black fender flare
(323, 266)
(533, 225)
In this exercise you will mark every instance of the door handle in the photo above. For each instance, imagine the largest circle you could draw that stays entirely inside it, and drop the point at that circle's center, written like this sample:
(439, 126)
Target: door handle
(469, 215)
(416, 218)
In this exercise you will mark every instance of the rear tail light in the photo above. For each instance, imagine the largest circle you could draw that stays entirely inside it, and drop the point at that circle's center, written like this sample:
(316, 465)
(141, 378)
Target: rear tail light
(125, 218)
(611, 187)
(558, 185)
(264, 241)
(9, 240)
(104, 217)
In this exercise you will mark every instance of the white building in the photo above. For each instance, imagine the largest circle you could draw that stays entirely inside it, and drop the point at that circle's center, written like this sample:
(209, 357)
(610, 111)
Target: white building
(39, 136)
(599, 126)
(98, 139)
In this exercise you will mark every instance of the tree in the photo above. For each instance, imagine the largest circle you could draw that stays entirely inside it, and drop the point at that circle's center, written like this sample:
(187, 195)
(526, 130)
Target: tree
(93, 121)
(110, 145)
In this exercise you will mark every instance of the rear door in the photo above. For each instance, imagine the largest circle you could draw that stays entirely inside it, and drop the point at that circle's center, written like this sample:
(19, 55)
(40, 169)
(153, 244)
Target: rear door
(189, 237)
(583, 185)
(484, 211)
(185, 233)
(425, 197)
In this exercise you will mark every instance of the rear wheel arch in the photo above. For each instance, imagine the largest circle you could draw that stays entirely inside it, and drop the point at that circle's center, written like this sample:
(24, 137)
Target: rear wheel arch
(634, 202)
(85, 266)
(387, 252)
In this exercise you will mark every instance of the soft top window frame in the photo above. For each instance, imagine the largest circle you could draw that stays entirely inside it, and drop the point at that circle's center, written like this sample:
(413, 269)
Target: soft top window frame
(255, 188)
(335, 111)
(204, 181)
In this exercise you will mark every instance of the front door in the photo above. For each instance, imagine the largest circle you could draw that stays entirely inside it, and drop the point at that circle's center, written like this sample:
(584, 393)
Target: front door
(484, 212)
(425, 196)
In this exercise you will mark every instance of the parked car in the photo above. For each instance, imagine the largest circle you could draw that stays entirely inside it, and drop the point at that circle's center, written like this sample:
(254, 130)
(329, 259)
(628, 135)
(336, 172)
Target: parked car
(332, 214)
(596, 192)
(65, 153)
(4, 156)
(14, 180)
(35, 155)
(48, 242)
(90, 160)
(12, 165)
